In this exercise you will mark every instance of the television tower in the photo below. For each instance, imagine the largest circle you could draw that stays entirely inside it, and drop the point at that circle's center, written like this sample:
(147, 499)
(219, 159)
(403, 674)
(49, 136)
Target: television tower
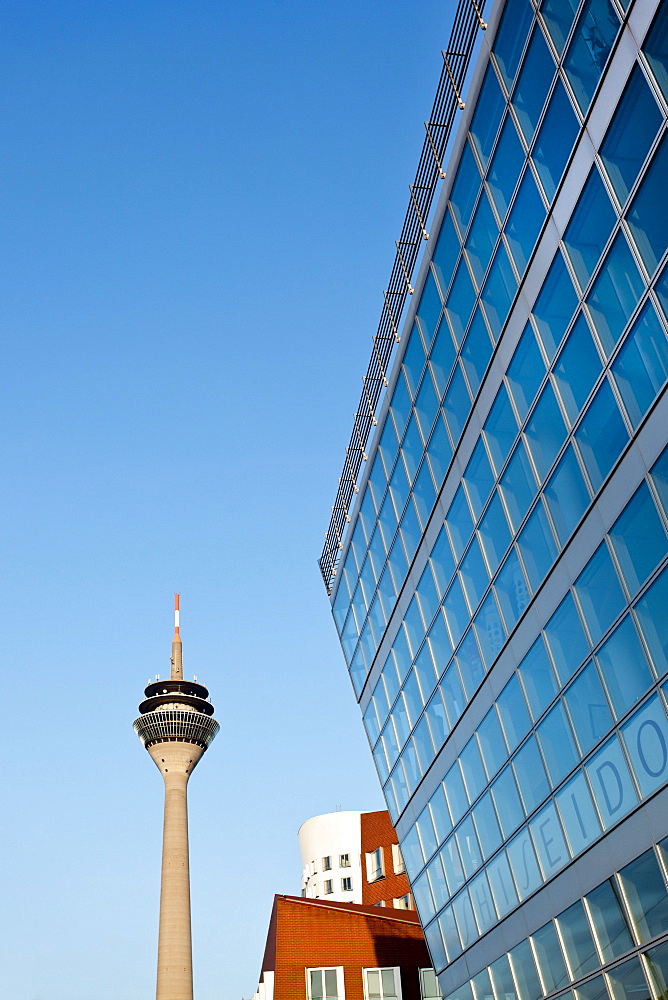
(176, 727)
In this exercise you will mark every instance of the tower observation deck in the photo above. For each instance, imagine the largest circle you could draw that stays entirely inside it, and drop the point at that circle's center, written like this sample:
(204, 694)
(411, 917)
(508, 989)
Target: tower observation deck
(176, 726)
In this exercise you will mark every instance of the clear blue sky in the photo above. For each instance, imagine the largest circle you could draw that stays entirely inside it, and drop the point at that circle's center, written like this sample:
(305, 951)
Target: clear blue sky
(199, 203)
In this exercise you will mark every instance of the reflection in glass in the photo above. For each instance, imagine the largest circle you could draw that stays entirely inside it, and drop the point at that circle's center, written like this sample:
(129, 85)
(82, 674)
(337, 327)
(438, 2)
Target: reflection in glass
(555, 305)
(487, 115)
(556, 137)
(589, 228)
(615, 293)
(510, 37)
(645, 892)
(590, 46)
(550, 959)
(577, 368)
(639, 539)
(567, 496)
(648, 215)
(465, 188)
(612, 934)
(656, 48)
(641, 367)
(533, 84)
(499, 291)
(602, 435)
(526, 219)
(588, 708)
(631, 132)
(506, 166)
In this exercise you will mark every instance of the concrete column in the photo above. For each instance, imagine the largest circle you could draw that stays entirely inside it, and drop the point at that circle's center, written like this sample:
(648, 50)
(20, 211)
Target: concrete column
(175, 977)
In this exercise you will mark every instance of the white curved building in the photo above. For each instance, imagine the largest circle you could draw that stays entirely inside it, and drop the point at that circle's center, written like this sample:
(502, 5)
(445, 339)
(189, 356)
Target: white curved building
(331, 849)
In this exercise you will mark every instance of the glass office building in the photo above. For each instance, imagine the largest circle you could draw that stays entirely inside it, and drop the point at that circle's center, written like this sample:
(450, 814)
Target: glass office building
(502, 590)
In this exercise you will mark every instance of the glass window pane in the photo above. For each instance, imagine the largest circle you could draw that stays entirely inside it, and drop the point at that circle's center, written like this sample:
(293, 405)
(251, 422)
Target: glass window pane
(482, 238)
(555, 305)
(537, 547)
(526, 975)
(426, 406)
(487, 115)
(557, 743)
(578, 814)
(439, 451)
(648, 215)
(615, 293)
(612, 934)
(506, 167)
(577, 368)
(589, 228)
(442, 562)
(538, 679)
(492, 743)
(578, 942)
(411, 448)
(501, 883)
(459, 523)
(470, 762)
(639, 539)
(489, 629)
(429, 310)
(476, 352)
(627, 982)
(545, 431)
(512, 712)
(502, 980)
(654, 621)
(550, 959)
(533, 84)
(556, 137)
(446, 253)
(470, 664)
(631, 132)
(646, 740)
(461, 300)
(524, 865)
(453, 696)
(414, 360)
(599, 593)
(526, 219)
(589, 48)
(548, 840)
(511, 590)
(624, 667)
(507, 801)
(465, 188)
(657, 959)
(518, 486)
(474, 575)
(525, 372)
(499, 291)
(611, 782)
(478, 479)
(566, 639)
(494, 533)
(645, 892)
(656, 48)
(567, 495)
(588, 708)
(442, 357)
(659, 474)
(457, 405)
(456, 612)
(424, 495)
(641, 367)
(500, 429)
(511, 36)
(530, 774)
(602, 435)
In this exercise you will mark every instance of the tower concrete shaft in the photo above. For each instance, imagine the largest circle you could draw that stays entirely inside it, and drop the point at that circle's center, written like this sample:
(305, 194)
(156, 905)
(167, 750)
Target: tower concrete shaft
(176, 727)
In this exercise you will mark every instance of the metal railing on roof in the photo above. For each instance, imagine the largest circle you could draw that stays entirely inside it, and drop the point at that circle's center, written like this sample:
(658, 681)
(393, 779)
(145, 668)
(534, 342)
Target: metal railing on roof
(456, 58)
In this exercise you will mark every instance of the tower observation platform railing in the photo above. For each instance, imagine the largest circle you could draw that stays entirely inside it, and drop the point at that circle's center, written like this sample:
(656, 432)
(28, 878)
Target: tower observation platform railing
(184, 726)
(456, 58)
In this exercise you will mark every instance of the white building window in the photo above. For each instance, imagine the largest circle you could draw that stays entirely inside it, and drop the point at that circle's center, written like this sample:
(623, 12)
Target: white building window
(325, 984)
(403, 902)
(382, 984)
(429, 988)
(328, 886)
(375, 868)
(347, 884)
(327, 864)
(344, 861)
(397, 860)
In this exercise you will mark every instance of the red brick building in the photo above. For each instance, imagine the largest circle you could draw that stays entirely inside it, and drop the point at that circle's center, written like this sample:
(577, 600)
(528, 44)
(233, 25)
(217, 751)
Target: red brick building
(320, 950)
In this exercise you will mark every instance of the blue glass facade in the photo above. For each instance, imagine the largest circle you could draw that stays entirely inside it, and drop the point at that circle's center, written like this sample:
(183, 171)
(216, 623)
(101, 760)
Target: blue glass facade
(502, 601)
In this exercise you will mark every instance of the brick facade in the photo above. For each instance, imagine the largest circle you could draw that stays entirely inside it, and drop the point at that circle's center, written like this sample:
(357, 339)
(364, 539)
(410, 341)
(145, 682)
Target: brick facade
(313, 933)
